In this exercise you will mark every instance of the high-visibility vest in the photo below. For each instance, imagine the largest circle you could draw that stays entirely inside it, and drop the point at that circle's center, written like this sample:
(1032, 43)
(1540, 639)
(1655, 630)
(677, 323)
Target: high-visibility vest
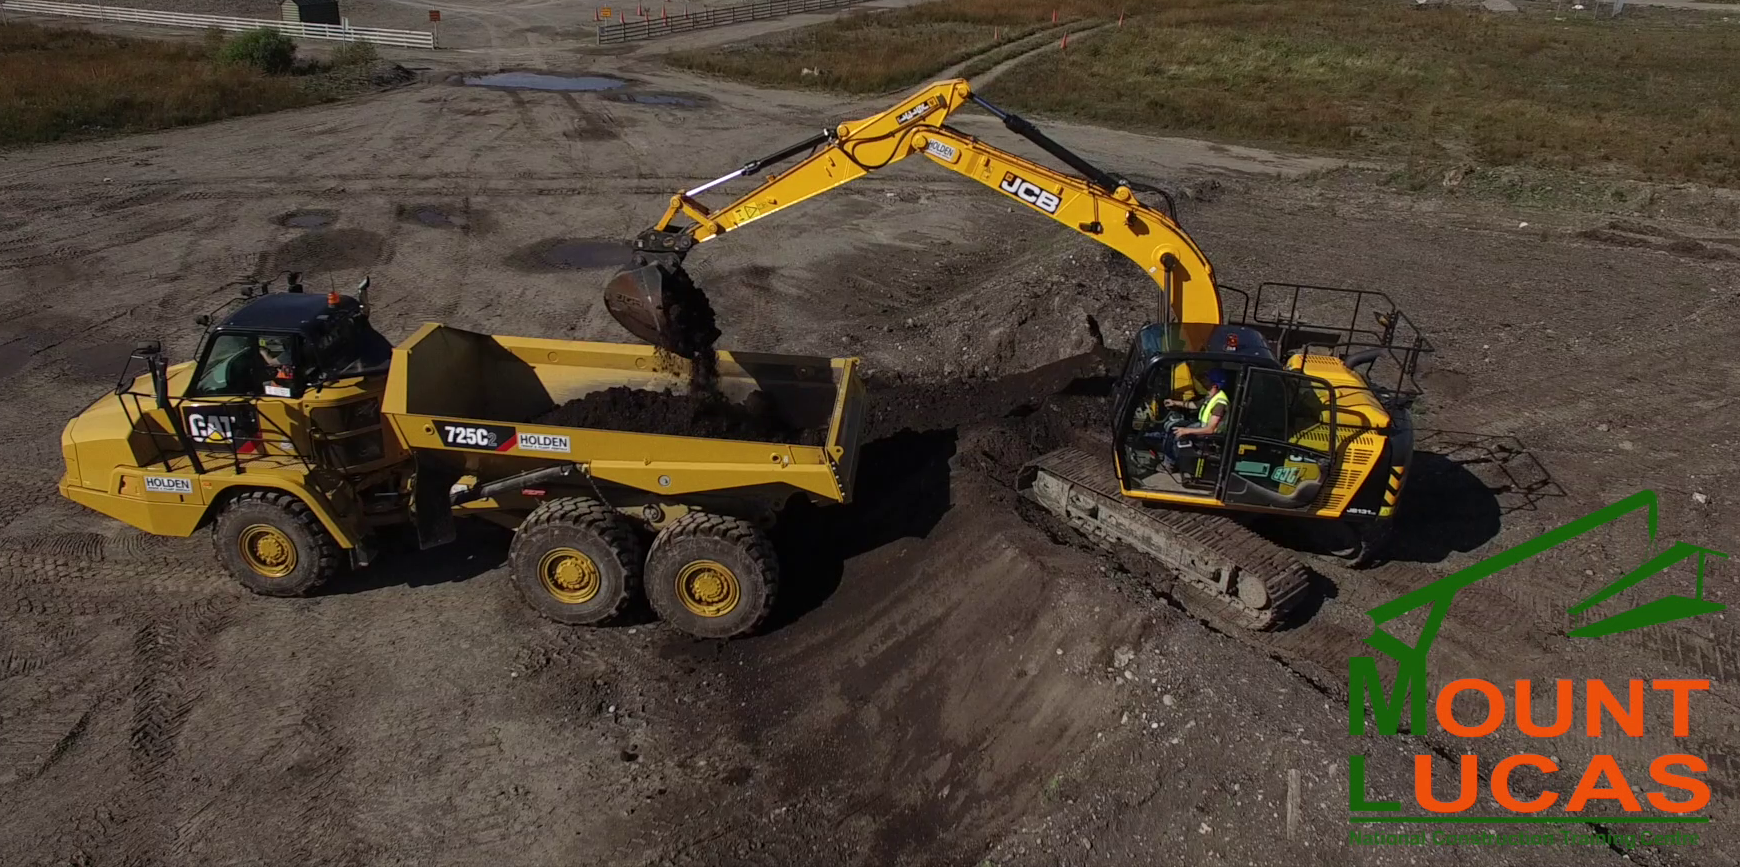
(1218, 400)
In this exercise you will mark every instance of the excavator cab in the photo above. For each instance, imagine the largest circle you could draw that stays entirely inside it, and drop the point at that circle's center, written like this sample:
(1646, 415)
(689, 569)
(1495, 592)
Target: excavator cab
(1266, 453)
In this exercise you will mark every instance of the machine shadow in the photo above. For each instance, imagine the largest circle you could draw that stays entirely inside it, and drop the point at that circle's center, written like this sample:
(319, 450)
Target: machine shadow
(479, 546)
(902, 492)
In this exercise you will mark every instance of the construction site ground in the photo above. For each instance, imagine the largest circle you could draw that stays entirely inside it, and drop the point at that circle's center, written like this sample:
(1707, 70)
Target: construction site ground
(953, 679)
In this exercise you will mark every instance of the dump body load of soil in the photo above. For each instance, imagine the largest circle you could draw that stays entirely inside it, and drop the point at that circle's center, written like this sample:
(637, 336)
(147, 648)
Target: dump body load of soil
(696, 415)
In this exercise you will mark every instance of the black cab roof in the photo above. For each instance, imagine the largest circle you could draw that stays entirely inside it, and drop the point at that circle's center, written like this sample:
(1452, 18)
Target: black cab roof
(288, 312)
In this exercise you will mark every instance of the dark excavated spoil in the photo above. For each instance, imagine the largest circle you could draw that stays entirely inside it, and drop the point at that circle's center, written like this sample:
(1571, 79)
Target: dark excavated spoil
(696, 415)
(693, 330)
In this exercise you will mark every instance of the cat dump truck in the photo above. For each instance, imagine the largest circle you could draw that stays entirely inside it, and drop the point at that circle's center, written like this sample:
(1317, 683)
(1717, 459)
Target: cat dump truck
(299, 438)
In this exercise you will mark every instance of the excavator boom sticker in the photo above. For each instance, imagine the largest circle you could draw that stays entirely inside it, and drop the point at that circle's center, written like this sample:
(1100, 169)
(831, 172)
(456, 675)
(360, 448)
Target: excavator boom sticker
(918, 111)
(1029, 192)
(942, 151)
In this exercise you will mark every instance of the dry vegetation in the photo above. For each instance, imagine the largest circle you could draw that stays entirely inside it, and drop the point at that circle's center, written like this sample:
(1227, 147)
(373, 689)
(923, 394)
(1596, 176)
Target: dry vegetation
(884, 51)
(1655, 94)
(59, 84)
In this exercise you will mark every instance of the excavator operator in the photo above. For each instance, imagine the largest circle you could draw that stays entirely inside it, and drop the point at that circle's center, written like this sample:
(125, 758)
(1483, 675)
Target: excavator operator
(1211, 413)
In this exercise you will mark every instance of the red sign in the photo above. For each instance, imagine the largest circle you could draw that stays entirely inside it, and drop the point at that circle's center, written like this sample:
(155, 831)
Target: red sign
(434, 16)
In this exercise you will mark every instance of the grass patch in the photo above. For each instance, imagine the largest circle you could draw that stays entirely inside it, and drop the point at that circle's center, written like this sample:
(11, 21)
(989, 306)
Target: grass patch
(883, 51)
(66, 84)
(1654, 95)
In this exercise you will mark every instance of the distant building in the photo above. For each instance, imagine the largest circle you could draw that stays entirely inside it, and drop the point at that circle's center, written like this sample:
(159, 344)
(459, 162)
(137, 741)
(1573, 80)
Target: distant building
(310, 11)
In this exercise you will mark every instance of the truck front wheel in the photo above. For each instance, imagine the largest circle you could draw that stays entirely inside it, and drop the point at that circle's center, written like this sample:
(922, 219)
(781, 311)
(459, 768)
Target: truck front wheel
(576, 561)
(712, 576)
(273, 543)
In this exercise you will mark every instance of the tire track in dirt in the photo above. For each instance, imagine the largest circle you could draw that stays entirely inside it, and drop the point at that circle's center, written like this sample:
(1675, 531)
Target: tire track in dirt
(172, 659)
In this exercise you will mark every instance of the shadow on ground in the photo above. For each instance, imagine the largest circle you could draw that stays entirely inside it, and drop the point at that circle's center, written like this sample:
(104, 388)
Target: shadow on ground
(902, 491)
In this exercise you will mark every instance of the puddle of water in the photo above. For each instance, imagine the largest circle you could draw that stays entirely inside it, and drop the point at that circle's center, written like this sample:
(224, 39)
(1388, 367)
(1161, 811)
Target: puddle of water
(587, 254)
(538, 81)
(306, 219)
(654, 99)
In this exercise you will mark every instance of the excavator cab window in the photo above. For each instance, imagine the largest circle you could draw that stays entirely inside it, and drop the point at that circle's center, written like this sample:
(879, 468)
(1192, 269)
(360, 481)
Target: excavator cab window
(1158, 460)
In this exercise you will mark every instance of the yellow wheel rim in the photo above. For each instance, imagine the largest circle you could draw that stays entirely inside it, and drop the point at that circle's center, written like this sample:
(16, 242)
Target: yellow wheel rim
(708, 588)
(570, 576)
(267, 550)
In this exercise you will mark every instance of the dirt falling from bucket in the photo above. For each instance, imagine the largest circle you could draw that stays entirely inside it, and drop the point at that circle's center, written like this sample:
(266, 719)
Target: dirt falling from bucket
(694, 330)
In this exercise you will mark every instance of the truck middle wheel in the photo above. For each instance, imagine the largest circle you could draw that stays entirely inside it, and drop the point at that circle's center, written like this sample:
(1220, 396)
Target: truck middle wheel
(712, 576)
(576, 561)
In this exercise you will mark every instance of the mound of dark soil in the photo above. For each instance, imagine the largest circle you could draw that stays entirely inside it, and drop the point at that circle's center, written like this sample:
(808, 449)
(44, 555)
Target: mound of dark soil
(696, 415)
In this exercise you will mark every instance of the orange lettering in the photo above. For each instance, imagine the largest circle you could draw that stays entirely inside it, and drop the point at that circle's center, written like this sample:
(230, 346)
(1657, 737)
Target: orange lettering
(1464, 799)
(1494, 708)
(1682, 701)
(1561, 722)
(1631, 722)
(1599, 767)
(1699, 789)
(1501, 781)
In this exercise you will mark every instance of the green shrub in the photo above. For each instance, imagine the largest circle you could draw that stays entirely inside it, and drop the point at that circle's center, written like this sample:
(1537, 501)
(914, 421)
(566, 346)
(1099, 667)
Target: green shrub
(355, 54)
(264, 49)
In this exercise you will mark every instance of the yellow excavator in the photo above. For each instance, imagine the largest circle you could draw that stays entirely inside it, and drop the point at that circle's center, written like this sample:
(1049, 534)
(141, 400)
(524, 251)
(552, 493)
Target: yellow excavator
(1279, 416)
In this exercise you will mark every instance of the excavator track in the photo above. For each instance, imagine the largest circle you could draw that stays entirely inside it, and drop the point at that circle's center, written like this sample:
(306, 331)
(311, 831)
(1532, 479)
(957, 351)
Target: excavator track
(1247, 580)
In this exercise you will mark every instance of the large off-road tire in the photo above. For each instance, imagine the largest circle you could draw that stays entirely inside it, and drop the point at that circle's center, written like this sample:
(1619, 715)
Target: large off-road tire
(712, 576)
(273, 543)
(576, 561)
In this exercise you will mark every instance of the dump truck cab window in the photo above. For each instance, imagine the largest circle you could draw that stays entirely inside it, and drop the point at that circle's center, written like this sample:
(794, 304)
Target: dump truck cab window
(346, 347)
(238, 364)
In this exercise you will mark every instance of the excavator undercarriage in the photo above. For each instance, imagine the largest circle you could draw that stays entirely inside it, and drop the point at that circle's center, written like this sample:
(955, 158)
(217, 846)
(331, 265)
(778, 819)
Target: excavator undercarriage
(1303, 429)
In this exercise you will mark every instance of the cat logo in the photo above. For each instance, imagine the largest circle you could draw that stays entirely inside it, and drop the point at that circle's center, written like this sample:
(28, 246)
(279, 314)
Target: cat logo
(214, 428)
(1029, 192)
(223, 428)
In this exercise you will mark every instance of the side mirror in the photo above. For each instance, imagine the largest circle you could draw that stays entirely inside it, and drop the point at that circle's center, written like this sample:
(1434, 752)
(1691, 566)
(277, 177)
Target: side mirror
(295, 281)
(362, 294)
(149, 348)
(202, 320)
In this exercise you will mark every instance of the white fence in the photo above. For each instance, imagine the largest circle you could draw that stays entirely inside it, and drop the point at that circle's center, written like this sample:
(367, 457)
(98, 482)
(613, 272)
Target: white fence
(346, 33)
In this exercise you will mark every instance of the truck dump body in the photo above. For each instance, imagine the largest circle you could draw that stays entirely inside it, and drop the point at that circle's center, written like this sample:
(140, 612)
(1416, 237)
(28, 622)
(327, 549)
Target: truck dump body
(496, 405)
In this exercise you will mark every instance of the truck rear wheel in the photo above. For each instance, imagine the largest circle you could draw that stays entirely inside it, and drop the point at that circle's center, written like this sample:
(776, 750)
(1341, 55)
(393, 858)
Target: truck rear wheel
(273, 543)
(712, 576)
(576, 561)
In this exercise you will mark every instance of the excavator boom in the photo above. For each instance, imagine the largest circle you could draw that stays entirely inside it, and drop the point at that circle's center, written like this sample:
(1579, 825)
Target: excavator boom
(657, 302)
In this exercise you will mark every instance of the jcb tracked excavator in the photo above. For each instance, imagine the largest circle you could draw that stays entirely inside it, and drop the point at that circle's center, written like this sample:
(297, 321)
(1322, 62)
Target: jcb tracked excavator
(1304, 430)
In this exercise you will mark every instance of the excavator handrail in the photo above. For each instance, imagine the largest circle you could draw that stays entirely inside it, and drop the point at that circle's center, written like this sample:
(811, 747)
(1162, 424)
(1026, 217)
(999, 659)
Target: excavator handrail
(1097, 204)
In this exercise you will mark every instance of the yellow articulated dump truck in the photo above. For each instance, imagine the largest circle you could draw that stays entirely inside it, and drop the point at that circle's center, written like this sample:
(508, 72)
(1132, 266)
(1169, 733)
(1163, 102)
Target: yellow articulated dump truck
(298, 435)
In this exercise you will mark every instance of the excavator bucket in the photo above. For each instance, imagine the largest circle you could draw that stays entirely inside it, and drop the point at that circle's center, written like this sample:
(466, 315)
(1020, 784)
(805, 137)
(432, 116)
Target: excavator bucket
(636, 299)
(661, 305)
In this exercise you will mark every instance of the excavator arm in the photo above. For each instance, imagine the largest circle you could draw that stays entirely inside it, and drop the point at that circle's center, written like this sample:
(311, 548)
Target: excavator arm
(657, 302)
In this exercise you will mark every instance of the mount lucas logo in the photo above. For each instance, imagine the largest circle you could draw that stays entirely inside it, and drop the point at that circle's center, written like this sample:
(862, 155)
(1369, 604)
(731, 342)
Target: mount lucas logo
(1538, 711)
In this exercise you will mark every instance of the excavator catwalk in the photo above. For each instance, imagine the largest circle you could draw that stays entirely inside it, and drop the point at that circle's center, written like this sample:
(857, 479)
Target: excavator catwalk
(1290, 418)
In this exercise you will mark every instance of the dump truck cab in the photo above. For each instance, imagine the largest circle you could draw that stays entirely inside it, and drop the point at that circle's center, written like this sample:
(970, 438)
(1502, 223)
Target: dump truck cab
(280, 403)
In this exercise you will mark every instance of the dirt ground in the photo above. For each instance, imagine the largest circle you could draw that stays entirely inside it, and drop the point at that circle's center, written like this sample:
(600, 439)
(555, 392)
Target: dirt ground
(953, 680)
